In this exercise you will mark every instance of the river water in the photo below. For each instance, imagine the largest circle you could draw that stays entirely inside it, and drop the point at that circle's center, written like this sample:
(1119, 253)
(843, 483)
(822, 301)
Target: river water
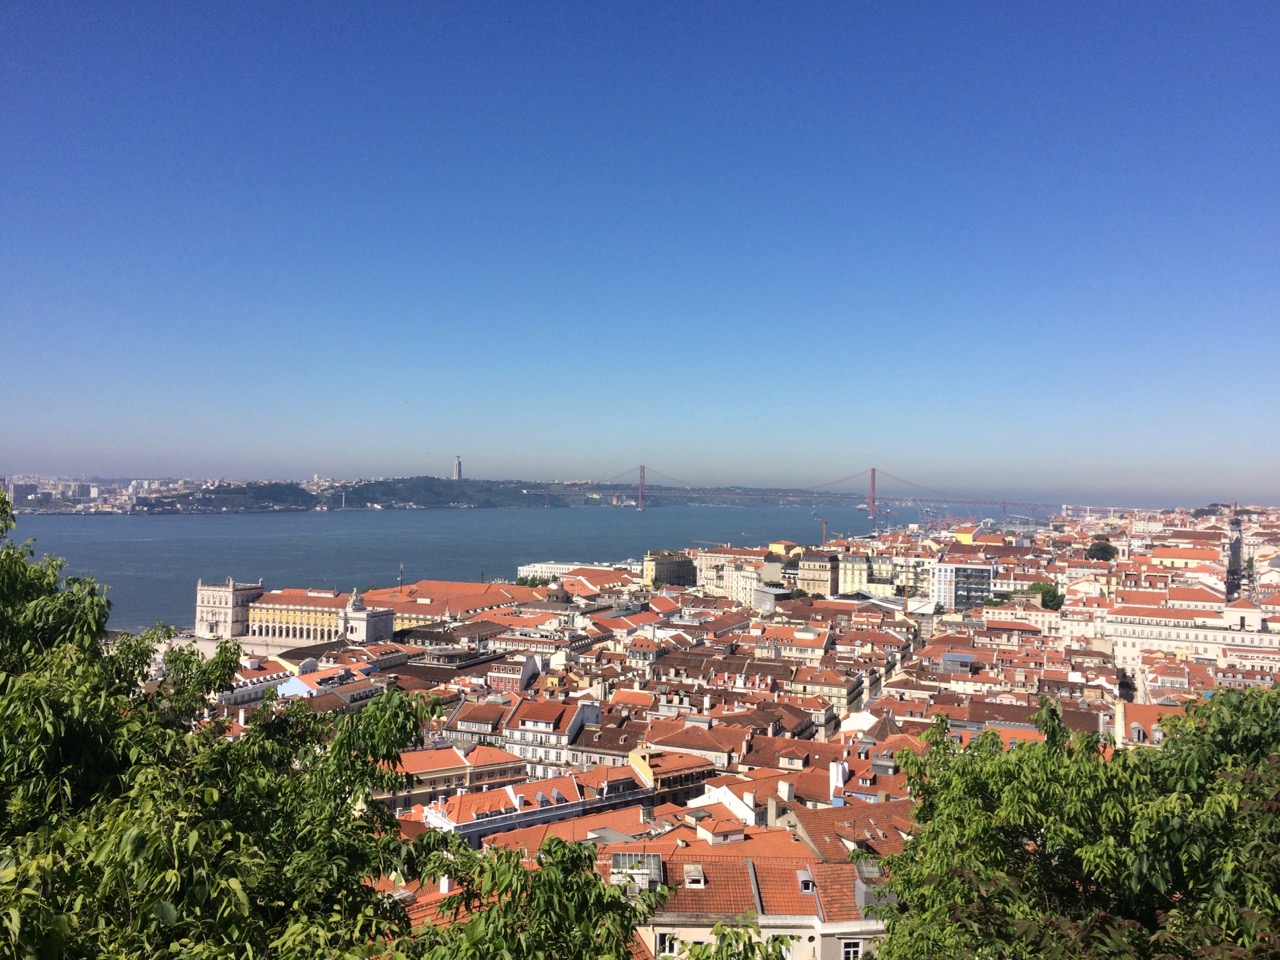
(151, 564)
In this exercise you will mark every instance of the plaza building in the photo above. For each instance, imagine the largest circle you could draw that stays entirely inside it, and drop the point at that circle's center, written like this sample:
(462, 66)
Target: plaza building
(222, 609)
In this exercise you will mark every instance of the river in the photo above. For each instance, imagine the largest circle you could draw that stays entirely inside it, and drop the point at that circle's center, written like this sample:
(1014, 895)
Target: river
(151, 564)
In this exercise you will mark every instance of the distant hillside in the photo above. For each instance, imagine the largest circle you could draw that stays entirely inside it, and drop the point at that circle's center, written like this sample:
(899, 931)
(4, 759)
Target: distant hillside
(438, 492)
(251, 498)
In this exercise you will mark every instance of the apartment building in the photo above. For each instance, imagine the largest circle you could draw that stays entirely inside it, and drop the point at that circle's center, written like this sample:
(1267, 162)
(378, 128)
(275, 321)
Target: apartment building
(962, 584)
(1216, 636)
(867, 575)
(818, 574)
(540, 732)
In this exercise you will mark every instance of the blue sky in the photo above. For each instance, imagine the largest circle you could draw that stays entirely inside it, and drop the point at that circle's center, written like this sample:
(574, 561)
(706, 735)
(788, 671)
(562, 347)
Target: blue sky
(1010, 248)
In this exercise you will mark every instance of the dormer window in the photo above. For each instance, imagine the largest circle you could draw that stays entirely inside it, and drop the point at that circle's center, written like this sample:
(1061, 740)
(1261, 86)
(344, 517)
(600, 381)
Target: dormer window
(806, 881)
(694, 876)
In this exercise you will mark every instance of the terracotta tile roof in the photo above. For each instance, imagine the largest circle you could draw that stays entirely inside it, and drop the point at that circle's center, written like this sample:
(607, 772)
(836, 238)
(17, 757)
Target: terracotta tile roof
(779, 883)
(832, 831)
(668, 764)
(301, 598)
(481, 713)
(837, 888)
(430, 761)
(729, 889)
(1147, 716)
(542, 711)
(437, 590)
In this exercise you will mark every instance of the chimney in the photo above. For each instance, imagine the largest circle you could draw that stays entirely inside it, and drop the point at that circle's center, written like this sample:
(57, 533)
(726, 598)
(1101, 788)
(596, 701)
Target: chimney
(786, 791)
(240, 717)
(447, 885)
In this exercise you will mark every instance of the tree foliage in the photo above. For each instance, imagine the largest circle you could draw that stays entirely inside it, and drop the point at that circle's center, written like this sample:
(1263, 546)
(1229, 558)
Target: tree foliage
(1051, 598)
(1068, 848)
(1102, 550)
(504, 910)
(533, 581)
(740, 940)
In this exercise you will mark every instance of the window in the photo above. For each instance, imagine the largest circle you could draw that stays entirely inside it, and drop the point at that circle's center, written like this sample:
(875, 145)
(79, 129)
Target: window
(850, 950)
(668, 944)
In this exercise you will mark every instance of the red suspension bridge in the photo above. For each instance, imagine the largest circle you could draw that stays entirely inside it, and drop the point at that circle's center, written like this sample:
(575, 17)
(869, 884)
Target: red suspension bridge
(633, 486)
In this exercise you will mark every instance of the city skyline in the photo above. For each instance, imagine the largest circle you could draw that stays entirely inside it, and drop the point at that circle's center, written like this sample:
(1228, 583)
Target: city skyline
(892, 490)
(989, 249)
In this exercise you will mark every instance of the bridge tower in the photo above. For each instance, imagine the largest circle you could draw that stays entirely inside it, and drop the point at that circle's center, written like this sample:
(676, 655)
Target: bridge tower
(640, 490)
(871, 500)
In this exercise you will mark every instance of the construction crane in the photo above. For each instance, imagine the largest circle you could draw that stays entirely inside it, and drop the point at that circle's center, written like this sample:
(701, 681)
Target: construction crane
(823, 521)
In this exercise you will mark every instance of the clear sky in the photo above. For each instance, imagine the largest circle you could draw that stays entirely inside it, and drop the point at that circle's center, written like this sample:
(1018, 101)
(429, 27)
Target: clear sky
(1014, 248)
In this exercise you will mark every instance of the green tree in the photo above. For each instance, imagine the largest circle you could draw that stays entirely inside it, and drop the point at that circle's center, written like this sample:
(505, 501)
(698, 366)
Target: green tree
(740, 940)
(1067, 849)
(1102, 550)
(502, 909)
(1050, 597)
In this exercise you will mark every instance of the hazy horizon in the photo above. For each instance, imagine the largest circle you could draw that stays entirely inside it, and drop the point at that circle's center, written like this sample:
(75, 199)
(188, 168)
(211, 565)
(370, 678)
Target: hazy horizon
(887, 487)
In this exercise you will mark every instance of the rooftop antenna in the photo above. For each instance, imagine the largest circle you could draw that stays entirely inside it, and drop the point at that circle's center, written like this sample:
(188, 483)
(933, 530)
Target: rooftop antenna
(400, 582)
